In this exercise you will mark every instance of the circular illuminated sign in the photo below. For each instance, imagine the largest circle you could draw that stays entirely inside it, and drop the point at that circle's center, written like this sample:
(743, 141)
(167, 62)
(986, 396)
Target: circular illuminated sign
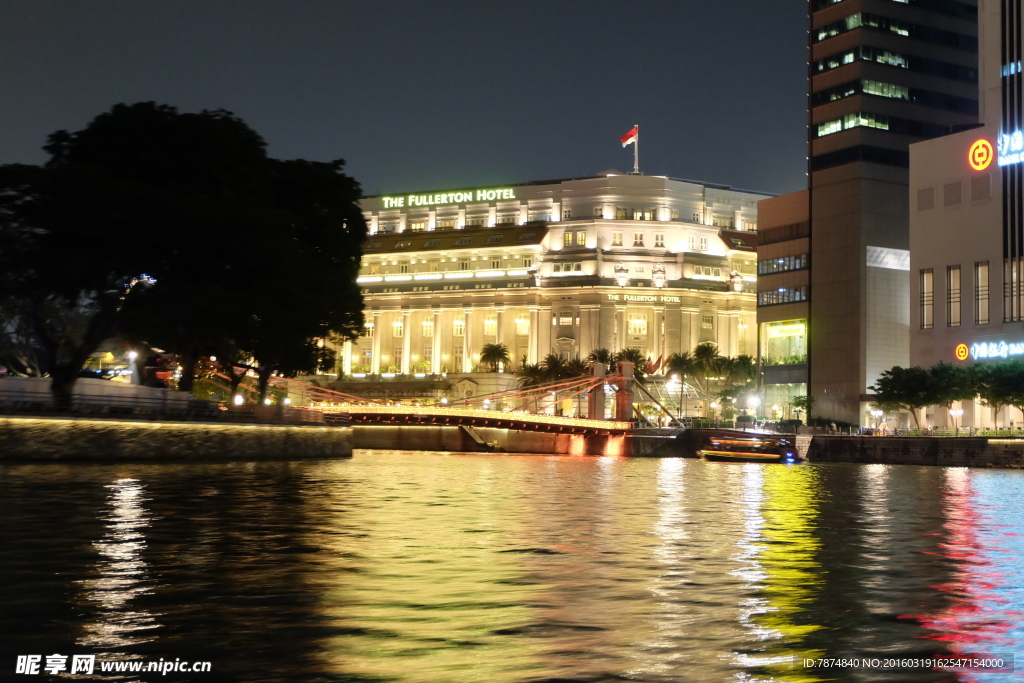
(962, 352)
(980, 155)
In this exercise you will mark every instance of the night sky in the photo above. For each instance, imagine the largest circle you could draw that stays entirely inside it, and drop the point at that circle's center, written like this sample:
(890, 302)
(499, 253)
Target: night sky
(420, 94)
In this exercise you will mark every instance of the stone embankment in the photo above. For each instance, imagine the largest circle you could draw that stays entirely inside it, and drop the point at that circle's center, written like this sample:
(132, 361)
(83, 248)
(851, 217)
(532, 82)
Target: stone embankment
(943, 451)
(68, 439)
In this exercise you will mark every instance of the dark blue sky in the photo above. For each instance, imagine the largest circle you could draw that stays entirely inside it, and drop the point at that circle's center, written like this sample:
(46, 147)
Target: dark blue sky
(421, 94)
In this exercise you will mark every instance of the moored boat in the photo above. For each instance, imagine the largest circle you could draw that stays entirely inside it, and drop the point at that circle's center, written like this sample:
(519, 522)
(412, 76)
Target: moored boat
(750, 448)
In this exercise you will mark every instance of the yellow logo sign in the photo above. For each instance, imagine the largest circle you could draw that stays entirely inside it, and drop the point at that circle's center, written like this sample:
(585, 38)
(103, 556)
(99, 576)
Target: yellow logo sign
(980, 156)
(962, 352)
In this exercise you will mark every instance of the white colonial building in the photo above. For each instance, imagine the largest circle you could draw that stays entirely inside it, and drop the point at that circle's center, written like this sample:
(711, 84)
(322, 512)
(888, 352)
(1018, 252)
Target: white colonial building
(564, 266)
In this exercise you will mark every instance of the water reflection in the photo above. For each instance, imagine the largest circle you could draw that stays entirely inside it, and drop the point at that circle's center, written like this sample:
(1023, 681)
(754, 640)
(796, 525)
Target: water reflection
(444, 567)
(122, 574)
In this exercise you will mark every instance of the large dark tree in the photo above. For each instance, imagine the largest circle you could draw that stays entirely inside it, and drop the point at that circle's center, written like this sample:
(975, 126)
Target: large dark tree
(227, 236)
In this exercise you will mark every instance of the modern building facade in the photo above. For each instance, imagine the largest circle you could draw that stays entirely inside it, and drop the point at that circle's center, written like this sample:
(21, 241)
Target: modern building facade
(967, 225)
(565, 266)
(883, 74)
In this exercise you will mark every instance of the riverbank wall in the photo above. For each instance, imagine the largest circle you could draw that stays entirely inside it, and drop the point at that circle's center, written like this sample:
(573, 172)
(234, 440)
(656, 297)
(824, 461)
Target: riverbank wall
(69, 439)
(484, 440)
(958, 451)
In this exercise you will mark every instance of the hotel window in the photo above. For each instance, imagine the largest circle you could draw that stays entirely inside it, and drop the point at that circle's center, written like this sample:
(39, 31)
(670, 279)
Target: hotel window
(953, 296)
(698, 243)
(927, 299)
(428, 328)
(707, 322)
(463, 265)
(675, 214)
(567, 239)
(616, 239)
(368, 330)
(565, 317)
(432, 266)
(418, 226)
(643, 214)
(491, 325)
(581, 238)
(398, 329)
(640, 269)
(506, 219)
(446, 222)
(374, 270)
(659, 239)
(495, 263)
(476, 221)
(539, 216)
(527, 262)
(462, 241)
(638, 324)
(621, 212)
(403, 268)
(598, 212)
(459, 328)
(981, 293)
(522, 326)
(428, 354)
(566, 214)
(457, 358)
(638, 239)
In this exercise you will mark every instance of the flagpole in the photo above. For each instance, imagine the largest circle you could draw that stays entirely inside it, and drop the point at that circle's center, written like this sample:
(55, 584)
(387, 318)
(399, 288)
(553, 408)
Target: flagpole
(636, 151)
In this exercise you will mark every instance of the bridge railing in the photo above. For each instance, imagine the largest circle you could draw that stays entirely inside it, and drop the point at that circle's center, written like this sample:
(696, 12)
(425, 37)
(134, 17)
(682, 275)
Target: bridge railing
(522, 416)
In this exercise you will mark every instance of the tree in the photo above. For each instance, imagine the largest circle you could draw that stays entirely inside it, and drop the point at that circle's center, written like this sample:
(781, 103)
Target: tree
(739, 370)
(636, 357)
(804, 403)
(903, 389)
(119, 229)
(495, 355)
(603, 356)
(999, 384)
(949, 383)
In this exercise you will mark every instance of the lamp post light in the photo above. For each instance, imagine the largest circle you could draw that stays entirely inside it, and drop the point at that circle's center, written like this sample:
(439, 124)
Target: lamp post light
(955, 413)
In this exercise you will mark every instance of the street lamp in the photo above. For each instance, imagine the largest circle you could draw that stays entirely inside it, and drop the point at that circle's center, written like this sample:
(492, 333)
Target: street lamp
(955, 413)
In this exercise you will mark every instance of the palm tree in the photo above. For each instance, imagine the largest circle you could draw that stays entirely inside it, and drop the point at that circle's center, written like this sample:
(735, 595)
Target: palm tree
(636, 357)
(740, 370)
(554, 367)
(495, 355)
(530, 375)
(604, 356)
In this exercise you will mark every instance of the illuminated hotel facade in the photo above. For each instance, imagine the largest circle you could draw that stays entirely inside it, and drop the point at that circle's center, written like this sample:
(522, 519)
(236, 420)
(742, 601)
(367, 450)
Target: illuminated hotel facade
(565, 266)
(967, 225)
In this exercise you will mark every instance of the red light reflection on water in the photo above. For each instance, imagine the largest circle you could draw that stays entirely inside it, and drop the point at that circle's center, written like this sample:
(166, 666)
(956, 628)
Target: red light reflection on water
(977, 619)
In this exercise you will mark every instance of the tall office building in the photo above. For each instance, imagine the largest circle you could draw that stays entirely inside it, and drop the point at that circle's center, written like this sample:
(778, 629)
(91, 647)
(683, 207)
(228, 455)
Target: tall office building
(882, 75)
(967, 228)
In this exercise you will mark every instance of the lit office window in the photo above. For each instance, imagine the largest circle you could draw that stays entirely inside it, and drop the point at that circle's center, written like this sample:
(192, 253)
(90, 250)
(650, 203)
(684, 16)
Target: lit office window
(491, 325)
(616, 239)
(459, 328)
(927, 299)
(398, 329)
(953, 296)
(522, 326)
(981, 293)
(567, 239)
(581, 238)
(428, 328)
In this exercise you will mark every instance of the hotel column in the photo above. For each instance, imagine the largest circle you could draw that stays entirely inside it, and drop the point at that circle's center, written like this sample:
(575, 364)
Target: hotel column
(534, 341)
(375, 360)
(435, 344)
(406, 342)
(620, 340)
(659, 342)
(606, 327)
(467, 340)
(346, 361)
(500, 336)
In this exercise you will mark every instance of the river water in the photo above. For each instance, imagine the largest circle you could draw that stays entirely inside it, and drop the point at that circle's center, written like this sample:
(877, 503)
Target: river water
(398, 566)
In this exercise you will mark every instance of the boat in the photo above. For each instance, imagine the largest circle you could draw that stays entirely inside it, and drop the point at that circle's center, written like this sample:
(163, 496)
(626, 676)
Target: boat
(751, 448)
